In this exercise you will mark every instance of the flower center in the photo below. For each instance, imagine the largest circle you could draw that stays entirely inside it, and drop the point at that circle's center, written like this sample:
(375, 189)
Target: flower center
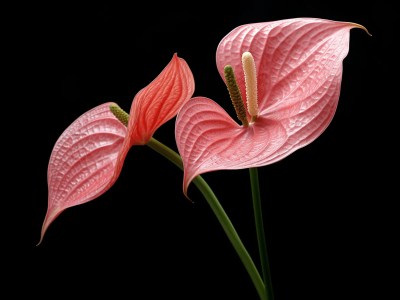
(250, 77)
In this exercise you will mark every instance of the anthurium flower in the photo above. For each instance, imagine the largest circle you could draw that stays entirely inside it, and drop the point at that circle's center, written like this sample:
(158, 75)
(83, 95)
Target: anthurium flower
(288, 73)
(88, 157)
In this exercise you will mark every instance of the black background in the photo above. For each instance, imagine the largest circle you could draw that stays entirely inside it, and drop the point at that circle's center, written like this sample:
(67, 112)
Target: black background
(326, 209)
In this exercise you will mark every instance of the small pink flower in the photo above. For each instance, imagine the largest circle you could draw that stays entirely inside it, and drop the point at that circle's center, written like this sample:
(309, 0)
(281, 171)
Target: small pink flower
(88, 157)
(297, 70)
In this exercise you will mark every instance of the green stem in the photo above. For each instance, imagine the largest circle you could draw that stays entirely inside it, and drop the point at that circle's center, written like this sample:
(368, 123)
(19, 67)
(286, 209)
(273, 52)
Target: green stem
(220, 214)
(262, 245)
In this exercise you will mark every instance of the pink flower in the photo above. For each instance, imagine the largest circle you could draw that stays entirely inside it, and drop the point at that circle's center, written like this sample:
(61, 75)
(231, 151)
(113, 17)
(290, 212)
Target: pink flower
(297, 70)
(88, 157)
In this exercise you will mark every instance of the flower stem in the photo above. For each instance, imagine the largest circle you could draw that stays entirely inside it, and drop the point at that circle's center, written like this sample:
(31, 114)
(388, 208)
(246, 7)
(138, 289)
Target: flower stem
(262, 245)
(221, 216)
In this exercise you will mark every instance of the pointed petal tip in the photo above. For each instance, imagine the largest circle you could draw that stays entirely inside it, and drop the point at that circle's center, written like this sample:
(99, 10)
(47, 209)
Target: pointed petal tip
(42, 233)
(188, 198)
(185, 192)
(40, 242)
(51, 215)
(356, 25)
(186, 184)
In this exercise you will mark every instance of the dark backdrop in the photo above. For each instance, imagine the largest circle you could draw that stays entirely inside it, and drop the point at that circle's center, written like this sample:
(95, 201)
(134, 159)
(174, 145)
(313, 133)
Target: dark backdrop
(325, 215)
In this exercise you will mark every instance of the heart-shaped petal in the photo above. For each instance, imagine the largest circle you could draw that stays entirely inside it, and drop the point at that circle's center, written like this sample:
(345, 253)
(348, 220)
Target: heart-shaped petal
(83, 161)
(156, 104)
(299, 68)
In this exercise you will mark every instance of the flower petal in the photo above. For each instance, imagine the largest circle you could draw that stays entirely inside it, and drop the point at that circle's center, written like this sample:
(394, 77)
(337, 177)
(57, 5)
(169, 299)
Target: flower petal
(299, 72)
(293, 57)
(160, 101)
(208, 139)
(156, 104)
(83, 161)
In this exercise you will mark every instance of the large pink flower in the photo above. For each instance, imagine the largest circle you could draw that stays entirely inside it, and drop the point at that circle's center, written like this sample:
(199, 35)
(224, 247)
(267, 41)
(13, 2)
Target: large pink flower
(296, 87)
(88, 157)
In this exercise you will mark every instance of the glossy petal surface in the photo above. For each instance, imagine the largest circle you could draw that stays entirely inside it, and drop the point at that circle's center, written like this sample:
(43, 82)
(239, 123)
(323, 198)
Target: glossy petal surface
(83, 161)
(156, 104)
(160, 101)
(299, 73)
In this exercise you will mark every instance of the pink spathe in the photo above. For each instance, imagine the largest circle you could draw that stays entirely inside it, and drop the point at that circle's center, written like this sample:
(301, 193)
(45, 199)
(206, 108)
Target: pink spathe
(299, 72)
